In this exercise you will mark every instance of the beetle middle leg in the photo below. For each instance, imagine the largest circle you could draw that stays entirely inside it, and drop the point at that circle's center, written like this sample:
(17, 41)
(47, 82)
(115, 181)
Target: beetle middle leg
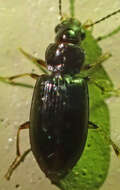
(10, 79)
(92, 125)
(106, 88)
(19, 158)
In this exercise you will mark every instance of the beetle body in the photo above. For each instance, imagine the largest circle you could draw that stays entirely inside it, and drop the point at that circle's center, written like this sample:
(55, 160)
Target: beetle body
(59, 111)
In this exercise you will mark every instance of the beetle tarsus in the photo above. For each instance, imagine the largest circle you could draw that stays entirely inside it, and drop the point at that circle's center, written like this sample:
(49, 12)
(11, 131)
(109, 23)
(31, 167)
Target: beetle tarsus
(18, 158)
(16, 163)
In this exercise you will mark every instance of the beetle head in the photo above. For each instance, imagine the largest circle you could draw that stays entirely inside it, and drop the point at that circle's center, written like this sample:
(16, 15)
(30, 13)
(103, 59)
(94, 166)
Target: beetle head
(69, 31)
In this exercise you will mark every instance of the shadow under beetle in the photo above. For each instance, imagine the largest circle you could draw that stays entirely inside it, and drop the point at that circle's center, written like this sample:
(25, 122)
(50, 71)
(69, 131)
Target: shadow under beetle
(59, 116)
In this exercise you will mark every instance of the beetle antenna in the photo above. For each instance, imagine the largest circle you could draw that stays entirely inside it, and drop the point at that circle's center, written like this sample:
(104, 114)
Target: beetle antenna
(60, 9)
(72, 8)
(104, 18)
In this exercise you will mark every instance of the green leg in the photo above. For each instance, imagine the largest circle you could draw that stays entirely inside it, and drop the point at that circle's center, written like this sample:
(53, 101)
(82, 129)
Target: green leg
(105, 87)
(9, 80)
(109, 34)
(106, 137)
(102, 84)
(18, 158)
(90, 68)
(38, 62)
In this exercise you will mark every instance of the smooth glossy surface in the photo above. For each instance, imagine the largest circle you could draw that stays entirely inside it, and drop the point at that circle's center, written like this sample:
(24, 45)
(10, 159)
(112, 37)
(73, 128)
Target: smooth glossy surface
(60, 110)
(65, 57)
(58, 124)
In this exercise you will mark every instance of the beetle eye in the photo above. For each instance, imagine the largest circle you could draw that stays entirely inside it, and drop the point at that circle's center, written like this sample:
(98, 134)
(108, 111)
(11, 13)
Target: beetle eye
(57, 28)
(83, 35)
(69, 34)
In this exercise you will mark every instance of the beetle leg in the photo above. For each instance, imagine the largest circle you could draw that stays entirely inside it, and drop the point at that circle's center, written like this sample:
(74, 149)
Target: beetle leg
(32, 58)
(9, 80)
(91, 125)
(18, 158)
(115, 31)
(90, 68)
(105, 87)
(103, 84)
(38, 62)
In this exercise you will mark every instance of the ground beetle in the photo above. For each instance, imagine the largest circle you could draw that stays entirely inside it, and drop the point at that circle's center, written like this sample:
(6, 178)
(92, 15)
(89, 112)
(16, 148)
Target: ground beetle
(59, 117)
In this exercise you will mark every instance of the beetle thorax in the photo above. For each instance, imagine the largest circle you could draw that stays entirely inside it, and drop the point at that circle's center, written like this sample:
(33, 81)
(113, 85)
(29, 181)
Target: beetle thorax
(66, 55)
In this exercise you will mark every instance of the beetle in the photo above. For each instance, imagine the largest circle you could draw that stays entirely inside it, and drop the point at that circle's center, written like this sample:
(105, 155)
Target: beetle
(60, 101)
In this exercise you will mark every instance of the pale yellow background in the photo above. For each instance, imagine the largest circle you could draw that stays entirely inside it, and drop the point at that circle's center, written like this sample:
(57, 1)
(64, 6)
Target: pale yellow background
(30, 24)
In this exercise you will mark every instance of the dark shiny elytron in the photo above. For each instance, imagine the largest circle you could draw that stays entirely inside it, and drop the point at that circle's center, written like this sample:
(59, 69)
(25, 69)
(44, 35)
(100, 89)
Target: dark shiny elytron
(59, 111)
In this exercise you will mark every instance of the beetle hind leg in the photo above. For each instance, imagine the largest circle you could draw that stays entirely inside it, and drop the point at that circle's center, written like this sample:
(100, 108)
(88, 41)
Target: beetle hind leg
(116, 148)
(19, 158)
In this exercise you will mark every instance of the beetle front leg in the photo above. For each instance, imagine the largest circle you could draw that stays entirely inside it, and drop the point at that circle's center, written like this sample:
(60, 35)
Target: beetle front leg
(115, 31)
(90, 68)
(19, 158)
(102, 84)
(38, 62)
(91, 125)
